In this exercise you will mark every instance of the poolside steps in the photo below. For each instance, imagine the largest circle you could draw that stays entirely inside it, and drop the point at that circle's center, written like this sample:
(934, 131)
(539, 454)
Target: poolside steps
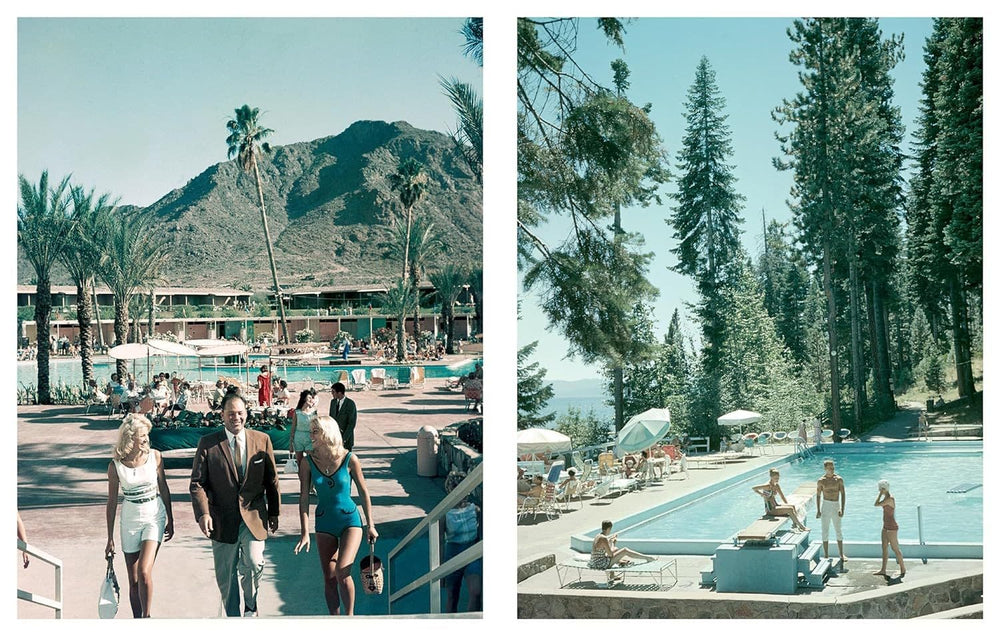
(814, 570)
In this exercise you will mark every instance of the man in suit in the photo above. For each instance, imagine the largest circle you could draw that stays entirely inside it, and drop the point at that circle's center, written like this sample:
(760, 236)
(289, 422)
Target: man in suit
(343, 409)
(234, 491)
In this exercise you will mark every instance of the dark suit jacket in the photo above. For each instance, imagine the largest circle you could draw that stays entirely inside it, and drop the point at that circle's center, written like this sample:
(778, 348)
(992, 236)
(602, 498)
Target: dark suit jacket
(346, 418)
(216, 491)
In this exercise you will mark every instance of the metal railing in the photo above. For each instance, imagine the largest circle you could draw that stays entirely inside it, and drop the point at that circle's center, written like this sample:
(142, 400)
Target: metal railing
(57, 603)
(436, 569)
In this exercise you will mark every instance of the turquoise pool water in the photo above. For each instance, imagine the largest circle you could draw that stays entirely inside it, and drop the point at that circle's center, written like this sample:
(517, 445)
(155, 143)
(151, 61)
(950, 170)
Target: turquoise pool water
(68, 371)
(919, 474)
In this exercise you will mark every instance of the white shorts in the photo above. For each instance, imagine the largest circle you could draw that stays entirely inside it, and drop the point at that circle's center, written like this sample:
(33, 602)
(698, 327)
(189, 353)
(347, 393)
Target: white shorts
(142, 522)
(829, 511)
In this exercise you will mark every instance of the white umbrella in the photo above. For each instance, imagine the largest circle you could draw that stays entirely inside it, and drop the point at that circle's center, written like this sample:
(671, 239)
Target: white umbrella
(642, 431)
(139, 350)
(539, 441)
(739, 418)
(166, 347)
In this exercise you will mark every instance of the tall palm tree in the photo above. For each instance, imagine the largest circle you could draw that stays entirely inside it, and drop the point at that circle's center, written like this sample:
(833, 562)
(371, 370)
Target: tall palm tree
(399, 301)
(246, 143)
(472, 29)
(425, 245)
(132, 255)
(469, 136)
(448, 284)
(43, 231)
(410, 181)
(81, 258)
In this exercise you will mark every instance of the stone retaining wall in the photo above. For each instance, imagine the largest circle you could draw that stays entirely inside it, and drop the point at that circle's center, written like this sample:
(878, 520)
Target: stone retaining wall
(910, 602)
(454, 453)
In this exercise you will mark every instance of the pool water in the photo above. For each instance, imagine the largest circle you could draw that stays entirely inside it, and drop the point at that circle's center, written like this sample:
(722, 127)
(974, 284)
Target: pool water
(69, 372)
(919, 474)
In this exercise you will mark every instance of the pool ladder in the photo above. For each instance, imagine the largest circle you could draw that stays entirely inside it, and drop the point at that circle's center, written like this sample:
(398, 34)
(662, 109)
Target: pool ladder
(802, 449)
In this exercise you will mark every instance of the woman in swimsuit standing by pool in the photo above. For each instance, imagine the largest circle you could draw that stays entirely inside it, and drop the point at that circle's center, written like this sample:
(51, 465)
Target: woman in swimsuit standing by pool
(890, 529)
(770, 492)
(330, 469)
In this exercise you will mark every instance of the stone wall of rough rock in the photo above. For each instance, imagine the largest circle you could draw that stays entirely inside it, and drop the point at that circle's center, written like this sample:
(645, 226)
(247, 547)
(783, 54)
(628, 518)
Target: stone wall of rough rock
(454, 453)
(907, 602)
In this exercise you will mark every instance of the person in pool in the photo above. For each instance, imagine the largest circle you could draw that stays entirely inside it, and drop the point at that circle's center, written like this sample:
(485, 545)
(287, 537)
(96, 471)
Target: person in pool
(890, 529)
(604, 554)
(770, 492)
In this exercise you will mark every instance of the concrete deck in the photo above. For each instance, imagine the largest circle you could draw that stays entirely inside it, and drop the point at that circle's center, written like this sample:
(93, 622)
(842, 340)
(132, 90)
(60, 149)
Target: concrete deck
(62, 463)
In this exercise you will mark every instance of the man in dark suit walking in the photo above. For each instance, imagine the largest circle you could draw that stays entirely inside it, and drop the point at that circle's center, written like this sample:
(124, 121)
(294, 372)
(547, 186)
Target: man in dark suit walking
(234, 491)
(343, 409)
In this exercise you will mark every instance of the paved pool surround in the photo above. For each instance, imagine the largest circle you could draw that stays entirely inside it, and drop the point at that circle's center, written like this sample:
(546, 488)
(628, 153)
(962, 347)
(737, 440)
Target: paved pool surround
(942, 593)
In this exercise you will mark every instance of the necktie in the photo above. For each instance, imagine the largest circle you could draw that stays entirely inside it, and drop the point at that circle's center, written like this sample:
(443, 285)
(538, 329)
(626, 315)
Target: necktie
(238, 457)
(337, 412)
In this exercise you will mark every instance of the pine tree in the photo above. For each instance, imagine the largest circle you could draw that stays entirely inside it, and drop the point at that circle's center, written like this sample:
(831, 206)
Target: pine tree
(533, 393)
(706, 218)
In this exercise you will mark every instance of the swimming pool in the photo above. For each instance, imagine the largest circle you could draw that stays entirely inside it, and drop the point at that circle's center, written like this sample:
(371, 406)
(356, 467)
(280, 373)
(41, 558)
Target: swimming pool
(68, 371)
(919, 474)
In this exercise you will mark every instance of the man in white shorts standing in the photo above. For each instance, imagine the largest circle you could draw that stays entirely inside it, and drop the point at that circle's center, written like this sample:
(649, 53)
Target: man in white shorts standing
(830, 501)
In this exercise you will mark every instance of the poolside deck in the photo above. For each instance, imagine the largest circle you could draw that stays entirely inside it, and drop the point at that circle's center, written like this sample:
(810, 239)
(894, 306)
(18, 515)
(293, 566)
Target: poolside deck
(62, 459)
(927, 588)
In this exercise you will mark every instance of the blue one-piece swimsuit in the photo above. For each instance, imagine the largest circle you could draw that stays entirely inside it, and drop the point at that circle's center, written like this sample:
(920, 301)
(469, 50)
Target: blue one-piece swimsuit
(335, 510)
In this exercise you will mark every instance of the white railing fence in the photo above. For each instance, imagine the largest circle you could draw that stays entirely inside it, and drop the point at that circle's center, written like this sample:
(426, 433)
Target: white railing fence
(429, 524)
(57, 603)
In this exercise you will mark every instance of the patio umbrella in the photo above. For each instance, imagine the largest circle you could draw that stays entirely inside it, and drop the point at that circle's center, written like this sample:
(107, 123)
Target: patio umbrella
(739, 418)
(542, 441)
(138, 350)
(642, 431)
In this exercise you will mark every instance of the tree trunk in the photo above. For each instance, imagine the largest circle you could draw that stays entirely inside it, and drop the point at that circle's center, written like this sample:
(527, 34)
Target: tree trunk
(97, 313)
(121, 334)
(857, 359)
(406, 245)
(448, 310)
(831, 328)
(416, 307)
(83, 320)
(880, 339)
(619, 398)
(152, 314)
(270, 252)
(43, 311)
(401, 338)
(961, 342)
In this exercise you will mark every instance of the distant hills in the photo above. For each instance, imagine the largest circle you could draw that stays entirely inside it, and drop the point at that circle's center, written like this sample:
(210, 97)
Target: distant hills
(329, 206)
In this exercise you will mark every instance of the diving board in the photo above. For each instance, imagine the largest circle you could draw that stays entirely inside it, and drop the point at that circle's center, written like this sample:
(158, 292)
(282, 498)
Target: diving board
(964, 487)
(765, 528)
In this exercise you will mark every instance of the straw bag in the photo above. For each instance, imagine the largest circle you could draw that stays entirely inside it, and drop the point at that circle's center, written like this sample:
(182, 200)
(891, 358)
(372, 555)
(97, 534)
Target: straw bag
(291, 466)
(107, 602)
(371, 572)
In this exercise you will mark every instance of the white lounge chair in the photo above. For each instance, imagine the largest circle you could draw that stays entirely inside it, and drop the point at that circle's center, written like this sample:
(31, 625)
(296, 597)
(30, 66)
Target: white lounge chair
(358, 380)
(378, 378)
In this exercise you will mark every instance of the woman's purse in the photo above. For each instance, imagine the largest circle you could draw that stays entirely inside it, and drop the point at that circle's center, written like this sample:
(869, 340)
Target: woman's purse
(372, 577)
(107, 602)
(291, 466)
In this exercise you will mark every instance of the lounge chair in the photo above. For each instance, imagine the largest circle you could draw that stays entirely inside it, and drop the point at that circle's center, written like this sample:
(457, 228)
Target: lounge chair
(606, 463)
(569, 491)
(655, 570)
(344, 377)
(546, 504)
(555, 470)
(378, 378)
(403, 375)
(473, 394)
(97, 398)
(359, 381)
(764, 441)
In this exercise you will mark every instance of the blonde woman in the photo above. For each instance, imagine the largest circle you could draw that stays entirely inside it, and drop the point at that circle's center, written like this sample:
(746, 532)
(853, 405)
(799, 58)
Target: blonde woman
(330, 469)
(147, 518)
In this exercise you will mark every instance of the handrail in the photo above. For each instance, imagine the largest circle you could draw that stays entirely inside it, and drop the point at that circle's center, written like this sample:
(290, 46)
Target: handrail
(429, 524)
(55, 604)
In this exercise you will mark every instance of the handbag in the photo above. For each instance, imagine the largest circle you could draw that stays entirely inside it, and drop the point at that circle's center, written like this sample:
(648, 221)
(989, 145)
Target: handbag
(107, 602)
(291, 466)
(372, 577)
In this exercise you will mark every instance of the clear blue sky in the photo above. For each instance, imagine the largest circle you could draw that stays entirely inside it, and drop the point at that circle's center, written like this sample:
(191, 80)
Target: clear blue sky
(137, 107)
(750, 59)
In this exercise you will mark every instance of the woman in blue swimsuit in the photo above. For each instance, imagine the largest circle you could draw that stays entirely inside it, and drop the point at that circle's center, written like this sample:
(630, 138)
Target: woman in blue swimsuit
(330, 469)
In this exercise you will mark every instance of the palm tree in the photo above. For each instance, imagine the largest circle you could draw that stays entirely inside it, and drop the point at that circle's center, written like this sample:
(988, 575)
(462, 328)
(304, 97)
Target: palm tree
(410, 182)
(399, 301)
(469, 136)
(132, 256)
(246, 143)
(448, 284)
(425, 245)
(43, 231)
(472, 29)
(81, 259)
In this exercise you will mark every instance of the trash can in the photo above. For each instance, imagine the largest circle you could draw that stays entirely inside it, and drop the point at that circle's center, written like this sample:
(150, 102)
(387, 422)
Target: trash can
(427, 451)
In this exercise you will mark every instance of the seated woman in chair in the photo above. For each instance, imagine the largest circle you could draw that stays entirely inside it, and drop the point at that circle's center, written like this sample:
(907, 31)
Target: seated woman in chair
(604, 554)
(770, 491)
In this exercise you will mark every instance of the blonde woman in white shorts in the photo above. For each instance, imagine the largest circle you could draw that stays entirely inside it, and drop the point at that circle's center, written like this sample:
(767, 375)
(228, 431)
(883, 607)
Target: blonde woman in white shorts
(147, 519)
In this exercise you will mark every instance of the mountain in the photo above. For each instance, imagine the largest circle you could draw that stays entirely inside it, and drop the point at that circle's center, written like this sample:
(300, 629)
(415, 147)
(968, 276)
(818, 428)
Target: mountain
(329, 207)
(586, 388)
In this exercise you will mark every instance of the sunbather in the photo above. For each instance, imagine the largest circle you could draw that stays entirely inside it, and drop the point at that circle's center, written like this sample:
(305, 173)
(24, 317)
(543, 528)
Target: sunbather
(604, 554)
(770, 491)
